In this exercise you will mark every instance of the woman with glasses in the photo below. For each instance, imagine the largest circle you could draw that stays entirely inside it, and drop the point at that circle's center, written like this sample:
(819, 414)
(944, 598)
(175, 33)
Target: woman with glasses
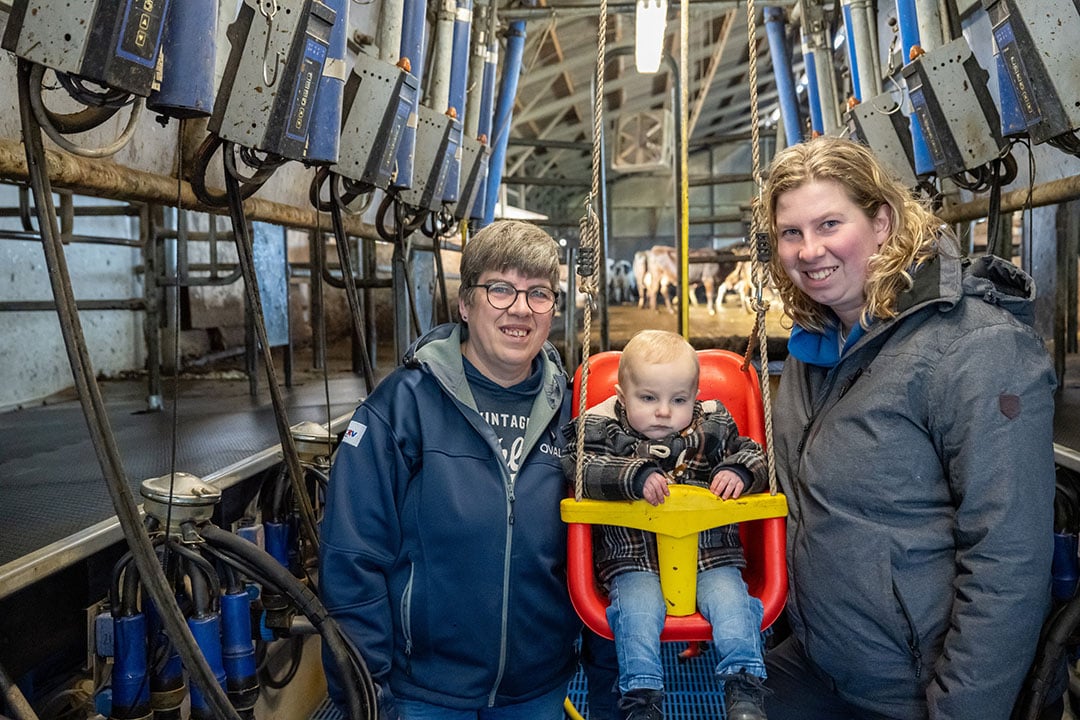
(443, 555)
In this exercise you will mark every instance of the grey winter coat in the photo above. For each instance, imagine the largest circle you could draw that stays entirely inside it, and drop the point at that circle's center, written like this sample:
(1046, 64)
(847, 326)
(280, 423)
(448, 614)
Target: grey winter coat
(919, 473)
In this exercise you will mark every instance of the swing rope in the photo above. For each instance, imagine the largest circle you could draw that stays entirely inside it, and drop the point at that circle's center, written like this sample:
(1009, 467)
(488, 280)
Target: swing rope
(588, 253)
(759, 249)
(589, 244)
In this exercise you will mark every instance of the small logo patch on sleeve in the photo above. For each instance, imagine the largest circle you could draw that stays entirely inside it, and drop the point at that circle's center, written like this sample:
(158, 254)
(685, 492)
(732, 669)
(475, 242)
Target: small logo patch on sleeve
(353, 433)
(1010, 405)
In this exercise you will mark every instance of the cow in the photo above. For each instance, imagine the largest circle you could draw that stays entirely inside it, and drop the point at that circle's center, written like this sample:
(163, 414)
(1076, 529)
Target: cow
(709, 275)
(655, 271)
(640, 268)
(621, 281)
(741, 282)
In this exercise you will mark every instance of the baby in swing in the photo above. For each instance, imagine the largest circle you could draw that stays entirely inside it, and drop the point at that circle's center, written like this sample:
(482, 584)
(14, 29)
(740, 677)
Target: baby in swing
(655, 432)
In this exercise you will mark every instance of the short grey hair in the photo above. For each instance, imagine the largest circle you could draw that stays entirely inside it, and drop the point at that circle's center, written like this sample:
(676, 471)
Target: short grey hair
(509, 245)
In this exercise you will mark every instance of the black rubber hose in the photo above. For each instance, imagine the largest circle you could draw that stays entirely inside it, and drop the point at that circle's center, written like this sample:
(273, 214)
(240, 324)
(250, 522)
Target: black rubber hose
(120, 601)
(315, 190)
(385, 206)
(1058, 630)
(349, 276)
(203, 155)
(205, 583)
(347, 660)
(246, 257)
(77, 122)
(96, 414)
(296, 654)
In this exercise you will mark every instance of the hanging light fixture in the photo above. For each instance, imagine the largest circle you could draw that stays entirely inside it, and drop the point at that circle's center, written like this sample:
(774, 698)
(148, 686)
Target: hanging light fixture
(649, 22)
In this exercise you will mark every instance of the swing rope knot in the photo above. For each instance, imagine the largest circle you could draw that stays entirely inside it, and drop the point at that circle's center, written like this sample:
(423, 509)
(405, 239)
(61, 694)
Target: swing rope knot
(586, 267)
(588, 249)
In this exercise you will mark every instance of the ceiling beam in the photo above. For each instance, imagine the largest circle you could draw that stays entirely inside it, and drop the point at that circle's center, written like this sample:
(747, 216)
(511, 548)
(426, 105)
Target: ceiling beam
(718, 49)
(736, 70)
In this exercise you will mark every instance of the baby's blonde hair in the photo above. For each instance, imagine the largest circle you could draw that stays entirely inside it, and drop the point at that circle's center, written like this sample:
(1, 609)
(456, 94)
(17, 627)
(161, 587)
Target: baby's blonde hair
(655, 347)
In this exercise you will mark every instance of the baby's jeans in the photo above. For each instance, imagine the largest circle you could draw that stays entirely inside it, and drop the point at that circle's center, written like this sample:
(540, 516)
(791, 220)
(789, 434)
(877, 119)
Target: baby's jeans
(637, 613)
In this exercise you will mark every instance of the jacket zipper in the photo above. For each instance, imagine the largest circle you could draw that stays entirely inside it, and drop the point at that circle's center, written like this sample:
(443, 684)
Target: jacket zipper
(851, 379)
(807, 429)
(406, 618)
(505, 588)
(913, 639)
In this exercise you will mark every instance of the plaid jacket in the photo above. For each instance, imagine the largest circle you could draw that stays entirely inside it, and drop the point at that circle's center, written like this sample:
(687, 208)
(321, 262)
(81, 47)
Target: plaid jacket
(617, 459)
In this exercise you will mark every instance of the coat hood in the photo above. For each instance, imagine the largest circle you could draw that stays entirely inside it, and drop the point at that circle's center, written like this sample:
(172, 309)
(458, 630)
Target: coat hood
(439, 352)
(941, 281)
(945, 278)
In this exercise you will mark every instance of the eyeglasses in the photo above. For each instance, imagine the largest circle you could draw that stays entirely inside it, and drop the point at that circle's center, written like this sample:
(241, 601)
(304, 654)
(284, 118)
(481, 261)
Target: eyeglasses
(502, 295)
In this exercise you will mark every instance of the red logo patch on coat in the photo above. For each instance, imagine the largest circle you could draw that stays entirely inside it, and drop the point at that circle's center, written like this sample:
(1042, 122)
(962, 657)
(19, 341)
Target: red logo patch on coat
(1010, 405)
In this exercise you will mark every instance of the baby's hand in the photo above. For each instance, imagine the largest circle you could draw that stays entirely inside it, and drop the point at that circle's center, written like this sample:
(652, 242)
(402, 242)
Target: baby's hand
(656, 489)
(727, 485)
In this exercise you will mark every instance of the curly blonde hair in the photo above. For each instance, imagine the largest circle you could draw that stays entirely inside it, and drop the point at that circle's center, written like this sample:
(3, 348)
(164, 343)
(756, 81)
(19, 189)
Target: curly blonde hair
(914, 231)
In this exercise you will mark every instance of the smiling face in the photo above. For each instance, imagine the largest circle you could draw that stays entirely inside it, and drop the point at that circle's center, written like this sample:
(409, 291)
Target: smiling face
(824, 243)
(503, 343)
(659, 397)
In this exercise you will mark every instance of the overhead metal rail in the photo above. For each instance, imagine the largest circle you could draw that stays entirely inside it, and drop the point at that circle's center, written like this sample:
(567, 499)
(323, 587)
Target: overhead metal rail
(107, 179)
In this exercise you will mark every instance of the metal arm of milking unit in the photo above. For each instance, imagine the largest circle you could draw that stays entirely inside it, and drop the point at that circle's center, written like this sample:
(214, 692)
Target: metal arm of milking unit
(15, 699)
(95, 412)
(245, 253)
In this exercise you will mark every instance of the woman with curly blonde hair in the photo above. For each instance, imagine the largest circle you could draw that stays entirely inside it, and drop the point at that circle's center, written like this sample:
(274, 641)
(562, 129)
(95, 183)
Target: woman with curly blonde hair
(914, 232)
(913, 436)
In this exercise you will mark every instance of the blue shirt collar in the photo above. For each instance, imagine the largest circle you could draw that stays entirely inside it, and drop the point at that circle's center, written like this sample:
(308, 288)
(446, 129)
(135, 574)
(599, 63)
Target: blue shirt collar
(822, 349)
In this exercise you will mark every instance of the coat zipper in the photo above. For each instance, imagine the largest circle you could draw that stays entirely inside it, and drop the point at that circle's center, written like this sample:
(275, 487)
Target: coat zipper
(913, 639)
(406, 618)
(505, 587)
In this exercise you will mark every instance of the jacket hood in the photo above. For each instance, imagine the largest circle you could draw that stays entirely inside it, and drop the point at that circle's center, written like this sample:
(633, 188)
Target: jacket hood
(941, 281)
(439, 353)
(948, 276)
(1002, 283)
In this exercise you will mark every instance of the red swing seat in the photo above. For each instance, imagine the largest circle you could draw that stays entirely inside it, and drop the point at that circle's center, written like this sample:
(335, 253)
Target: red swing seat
(723, 379)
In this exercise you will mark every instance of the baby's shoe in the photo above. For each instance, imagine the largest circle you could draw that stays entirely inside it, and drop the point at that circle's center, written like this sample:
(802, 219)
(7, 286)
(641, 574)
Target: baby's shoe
(642, 704)
(744, 697)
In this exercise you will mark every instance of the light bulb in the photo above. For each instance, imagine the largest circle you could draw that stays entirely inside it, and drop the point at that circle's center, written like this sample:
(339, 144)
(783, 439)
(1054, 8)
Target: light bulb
(649, 23)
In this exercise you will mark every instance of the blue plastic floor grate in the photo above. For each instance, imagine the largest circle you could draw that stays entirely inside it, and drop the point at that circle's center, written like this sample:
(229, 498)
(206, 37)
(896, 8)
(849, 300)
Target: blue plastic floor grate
(693, 692)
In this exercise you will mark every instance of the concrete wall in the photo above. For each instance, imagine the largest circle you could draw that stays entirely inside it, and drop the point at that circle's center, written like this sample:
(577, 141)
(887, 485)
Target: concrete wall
(33, 360)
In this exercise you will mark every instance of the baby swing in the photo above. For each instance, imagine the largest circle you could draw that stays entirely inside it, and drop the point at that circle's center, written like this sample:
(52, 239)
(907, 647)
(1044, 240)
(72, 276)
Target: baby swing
(725, 376)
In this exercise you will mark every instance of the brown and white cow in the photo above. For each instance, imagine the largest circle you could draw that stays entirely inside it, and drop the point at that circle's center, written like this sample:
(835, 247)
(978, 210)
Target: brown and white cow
(741, 282)
(656, 270)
